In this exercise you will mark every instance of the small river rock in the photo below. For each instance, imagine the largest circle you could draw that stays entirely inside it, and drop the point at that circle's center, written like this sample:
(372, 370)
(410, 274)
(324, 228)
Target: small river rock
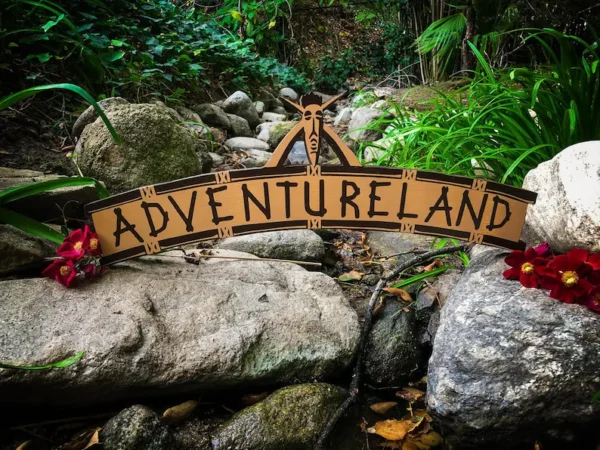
(297, 245)
(240, 104)
(394, 354)
(136, 428)
(290, 418)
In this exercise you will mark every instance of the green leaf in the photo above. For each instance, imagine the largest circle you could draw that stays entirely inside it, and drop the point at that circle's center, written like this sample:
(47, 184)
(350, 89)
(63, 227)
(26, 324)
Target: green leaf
(116, 56)
(51, 23)
(117, 43)
(57, 365)
(26, 190)
(30, 226)
(422, 276)
(17, 97)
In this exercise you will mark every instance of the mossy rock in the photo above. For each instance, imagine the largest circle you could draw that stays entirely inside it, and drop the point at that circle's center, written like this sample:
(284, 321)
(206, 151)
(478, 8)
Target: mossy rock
(419, 97)
(291, 418)
(279, 131)
(154, 148)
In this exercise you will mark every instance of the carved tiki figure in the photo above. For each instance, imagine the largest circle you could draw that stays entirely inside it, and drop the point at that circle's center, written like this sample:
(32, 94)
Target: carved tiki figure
(312, 129)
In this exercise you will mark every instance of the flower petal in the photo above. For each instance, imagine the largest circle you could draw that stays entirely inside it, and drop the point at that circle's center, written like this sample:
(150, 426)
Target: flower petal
(512, 274)
(515, 259)
(594, 261)
(577, 257)
(529, 281)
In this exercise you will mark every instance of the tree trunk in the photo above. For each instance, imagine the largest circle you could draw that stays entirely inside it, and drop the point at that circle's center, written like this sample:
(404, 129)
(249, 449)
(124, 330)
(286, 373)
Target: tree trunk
(468, 59)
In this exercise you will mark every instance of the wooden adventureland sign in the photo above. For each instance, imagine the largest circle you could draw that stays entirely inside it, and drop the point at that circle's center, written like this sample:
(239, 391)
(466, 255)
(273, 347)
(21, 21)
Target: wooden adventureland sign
(279, 197)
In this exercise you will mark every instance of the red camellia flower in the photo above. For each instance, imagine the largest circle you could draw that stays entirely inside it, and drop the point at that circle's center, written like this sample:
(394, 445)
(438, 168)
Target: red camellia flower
(62, 271)
(75, 245)
(527, 267)
(94, 247)
(566, 276)
(593, 299)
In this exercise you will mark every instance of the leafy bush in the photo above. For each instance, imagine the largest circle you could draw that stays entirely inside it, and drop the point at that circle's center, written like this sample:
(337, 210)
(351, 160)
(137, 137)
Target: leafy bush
(508, 121)
(378, 54)
(142, 47)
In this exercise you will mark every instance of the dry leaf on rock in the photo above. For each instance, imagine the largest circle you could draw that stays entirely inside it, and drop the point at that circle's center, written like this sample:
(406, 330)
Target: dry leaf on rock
(251, 399)
(428, 440)
(399, 293)
(180, 412)
(419, 413)
(435, 264)
(394, 430)
(84, 440)
(94, 440)
(410, 394)
(353, 275)
(382, 407)
(409, 445)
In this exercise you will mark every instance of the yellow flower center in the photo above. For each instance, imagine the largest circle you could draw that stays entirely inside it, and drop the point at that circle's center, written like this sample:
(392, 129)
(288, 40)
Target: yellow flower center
(78, 246)
(527, 268)
(65, 270)
(93, 244)
(570, 279)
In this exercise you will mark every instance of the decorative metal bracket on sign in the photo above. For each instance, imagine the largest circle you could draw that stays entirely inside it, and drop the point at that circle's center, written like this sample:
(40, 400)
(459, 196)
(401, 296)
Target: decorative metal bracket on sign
(281, 197)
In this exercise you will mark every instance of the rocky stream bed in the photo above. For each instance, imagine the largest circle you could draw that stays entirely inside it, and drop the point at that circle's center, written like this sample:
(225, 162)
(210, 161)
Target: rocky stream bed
(258, 354)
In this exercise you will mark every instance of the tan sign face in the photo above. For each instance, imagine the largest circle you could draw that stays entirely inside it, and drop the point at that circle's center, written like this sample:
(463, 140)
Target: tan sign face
(277, 197)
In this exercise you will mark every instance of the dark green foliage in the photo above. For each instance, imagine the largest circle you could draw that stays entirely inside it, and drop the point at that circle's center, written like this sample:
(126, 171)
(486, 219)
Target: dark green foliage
(369, 58)
(509, 120)
(143, 47)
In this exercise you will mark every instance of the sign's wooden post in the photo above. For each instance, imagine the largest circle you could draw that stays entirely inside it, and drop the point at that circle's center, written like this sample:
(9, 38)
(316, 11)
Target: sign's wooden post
(277, 197)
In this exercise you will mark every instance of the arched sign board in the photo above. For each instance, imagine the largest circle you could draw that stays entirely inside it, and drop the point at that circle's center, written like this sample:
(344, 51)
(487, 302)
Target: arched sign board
(278, 197)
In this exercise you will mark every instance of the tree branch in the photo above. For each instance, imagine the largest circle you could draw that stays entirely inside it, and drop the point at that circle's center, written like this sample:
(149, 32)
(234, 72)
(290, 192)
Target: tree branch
(355, 384)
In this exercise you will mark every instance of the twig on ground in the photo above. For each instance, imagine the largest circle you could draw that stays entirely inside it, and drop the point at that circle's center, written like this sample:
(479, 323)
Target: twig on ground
(355, 384)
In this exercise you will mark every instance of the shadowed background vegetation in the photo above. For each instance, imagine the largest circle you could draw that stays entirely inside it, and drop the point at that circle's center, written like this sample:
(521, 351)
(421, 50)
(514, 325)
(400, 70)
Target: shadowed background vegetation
(528, 93)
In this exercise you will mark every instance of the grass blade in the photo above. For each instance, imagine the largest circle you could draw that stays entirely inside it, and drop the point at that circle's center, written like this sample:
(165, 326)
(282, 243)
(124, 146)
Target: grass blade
(30, 226)
(17, 97)
(56, 365)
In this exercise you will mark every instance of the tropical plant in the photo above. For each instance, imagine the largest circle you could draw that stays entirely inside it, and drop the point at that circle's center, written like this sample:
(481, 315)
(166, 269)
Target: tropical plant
(136, 49)
(21, 221)
(506, 122)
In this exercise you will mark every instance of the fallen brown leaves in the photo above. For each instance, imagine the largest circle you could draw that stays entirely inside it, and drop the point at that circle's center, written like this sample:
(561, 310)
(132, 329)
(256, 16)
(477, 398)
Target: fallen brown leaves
(180, 412)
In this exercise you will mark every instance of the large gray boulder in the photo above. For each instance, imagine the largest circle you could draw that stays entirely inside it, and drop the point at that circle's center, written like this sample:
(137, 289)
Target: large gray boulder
(297, 245)
(246, 143)
(567, 210)
(363, 118)
(162, 325)
(241, 105)
(213, 115)
(154, 149)
(22, 251)
(90, 115)
(49, 206)
(511, 365)
(290, 418)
